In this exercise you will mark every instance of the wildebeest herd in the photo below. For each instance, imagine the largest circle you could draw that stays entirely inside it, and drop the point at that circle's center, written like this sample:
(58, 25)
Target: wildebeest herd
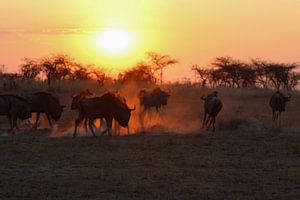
(112, 106)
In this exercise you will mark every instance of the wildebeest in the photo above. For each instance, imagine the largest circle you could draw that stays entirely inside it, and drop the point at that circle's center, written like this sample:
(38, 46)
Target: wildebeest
(107, 106)
(14, 107)
(157, 98)
(277, 103)
(44, 102)
(212, 106)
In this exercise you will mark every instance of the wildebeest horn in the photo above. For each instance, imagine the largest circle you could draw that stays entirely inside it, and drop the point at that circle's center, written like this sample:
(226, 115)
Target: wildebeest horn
(132, 109)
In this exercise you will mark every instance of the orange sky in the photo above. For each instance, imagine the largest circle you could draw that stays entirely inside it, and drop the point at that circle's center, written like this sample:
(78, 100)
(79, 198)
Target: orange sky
(194, 31)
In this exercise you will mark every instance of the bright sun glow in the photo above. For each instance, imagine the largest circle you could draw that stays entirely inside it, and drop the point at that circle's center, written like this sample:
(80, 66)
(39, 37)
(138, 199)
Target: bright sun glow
(115, 40)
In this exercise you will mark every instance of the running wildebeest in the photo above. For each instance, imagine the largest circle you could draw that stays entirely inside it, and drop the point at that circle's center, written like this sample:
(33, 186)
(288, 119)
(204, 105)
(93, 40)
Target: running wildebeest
(107, 106)
(43, 102)
(14, 107)
(277, 103)
(212, 106)
(157, 98)
(87, 94)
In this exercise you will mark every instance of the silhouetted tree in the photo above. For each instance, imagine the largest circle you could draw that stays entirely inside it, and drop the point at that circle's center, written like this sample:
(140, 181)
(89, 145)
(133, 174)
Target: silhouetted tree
(142, 72)
(232, 71)
(56, 67)
(99, 75)
(276, 75)
(159, 62)
(30, 69)
(203, 73)
(80, 72)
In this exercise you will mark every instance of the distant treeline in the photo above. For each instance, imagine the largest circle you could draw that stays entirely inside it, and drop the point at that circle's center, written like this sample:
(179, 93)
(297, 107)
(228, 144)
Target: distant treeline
(223, 72)
(63, 67)
(257, 73)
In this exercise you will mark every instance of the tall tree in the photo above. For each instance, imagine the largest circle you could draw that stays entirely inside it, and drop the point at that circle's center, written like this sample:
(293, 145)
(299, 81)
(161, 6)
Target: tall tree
(203, 73)
(30, 69)
(142, 72)
(159, 62)
(56, 67)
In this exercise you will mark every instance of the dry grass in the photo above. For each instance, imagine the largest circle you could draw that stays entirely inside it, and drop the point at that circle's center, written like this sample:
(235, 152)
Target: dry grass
(174, 160)
(168, 166)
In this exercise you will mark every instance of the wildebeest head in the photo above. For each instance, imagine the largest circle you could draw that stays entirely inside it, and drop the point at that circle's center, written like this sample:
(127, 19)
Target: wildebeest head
(163, 97)
(213, 94)
(278, 101)
(25, 111)
(122, 112)
(284, 100)
(56, 114)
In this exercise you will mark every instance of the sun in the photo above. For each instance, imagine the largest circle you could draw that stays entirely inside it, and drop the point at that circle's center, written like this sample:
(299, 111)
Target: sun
(115, 40)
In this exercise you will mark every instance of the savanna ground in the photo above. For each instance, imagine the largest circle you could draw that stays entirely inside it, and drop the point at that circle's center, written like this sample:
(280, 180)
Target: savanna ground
(244, 159)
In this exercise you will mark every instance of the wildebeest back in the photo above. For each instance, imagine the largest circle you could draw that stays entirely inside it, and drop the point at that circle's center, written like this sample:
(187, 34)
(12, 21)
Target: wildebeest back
(44, 102)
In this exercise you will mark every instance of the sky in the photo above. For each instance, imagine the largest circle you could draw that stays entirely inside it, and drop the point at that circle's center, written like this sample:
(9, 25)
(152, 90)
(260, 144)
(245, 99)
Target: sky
(192, 31)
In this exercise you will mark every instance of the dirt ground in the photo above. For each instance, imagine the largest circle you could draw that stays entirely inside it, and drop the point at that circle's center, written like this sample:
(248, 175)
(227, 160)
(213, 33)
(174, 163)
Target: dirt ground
(223, 165)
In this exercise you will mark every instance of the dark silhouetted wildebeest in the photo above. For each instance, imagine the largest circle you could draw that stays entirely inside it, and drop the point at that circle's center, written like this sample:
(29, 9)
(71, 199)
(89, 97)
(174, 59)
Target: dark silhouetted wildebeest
(212, 106)
(157, 98)
(14, 107)
(277, 103)
(44, 102)
(107, 106)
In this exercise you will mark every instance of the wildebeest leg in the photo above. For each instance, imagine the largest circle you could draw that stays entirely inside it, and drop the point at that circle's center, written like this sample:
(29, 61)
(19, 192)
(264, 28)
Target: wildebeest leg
(208, 119)
(77, 122)
(276, 119)
(274, 115)
(15, 123)
(213, 119)
(279, 119)
(86, 124)
(49, 119)
(142, 116)
(204, 120)
(91, 123)
(158, 117)
(37, 120)
(10, 120)
(150, 114)
(209, 122)
(128, 130)
(116, 128)
(109, 125)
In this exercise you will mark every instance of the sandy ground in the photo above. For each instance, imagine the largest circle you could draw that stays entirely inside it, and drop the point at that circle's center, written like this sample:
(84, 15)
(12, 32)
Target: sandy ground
(223, 165)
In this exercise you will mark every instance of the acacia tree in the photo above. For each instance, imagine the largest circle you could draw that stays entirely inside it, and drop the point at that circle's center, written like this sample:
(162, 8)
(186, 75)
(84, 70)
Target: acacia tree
(276, 75)
(29, 69)
(80, 72)
(56, 67)
(98, 74)
(159, 62)
(203, 73)
(142, 72)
